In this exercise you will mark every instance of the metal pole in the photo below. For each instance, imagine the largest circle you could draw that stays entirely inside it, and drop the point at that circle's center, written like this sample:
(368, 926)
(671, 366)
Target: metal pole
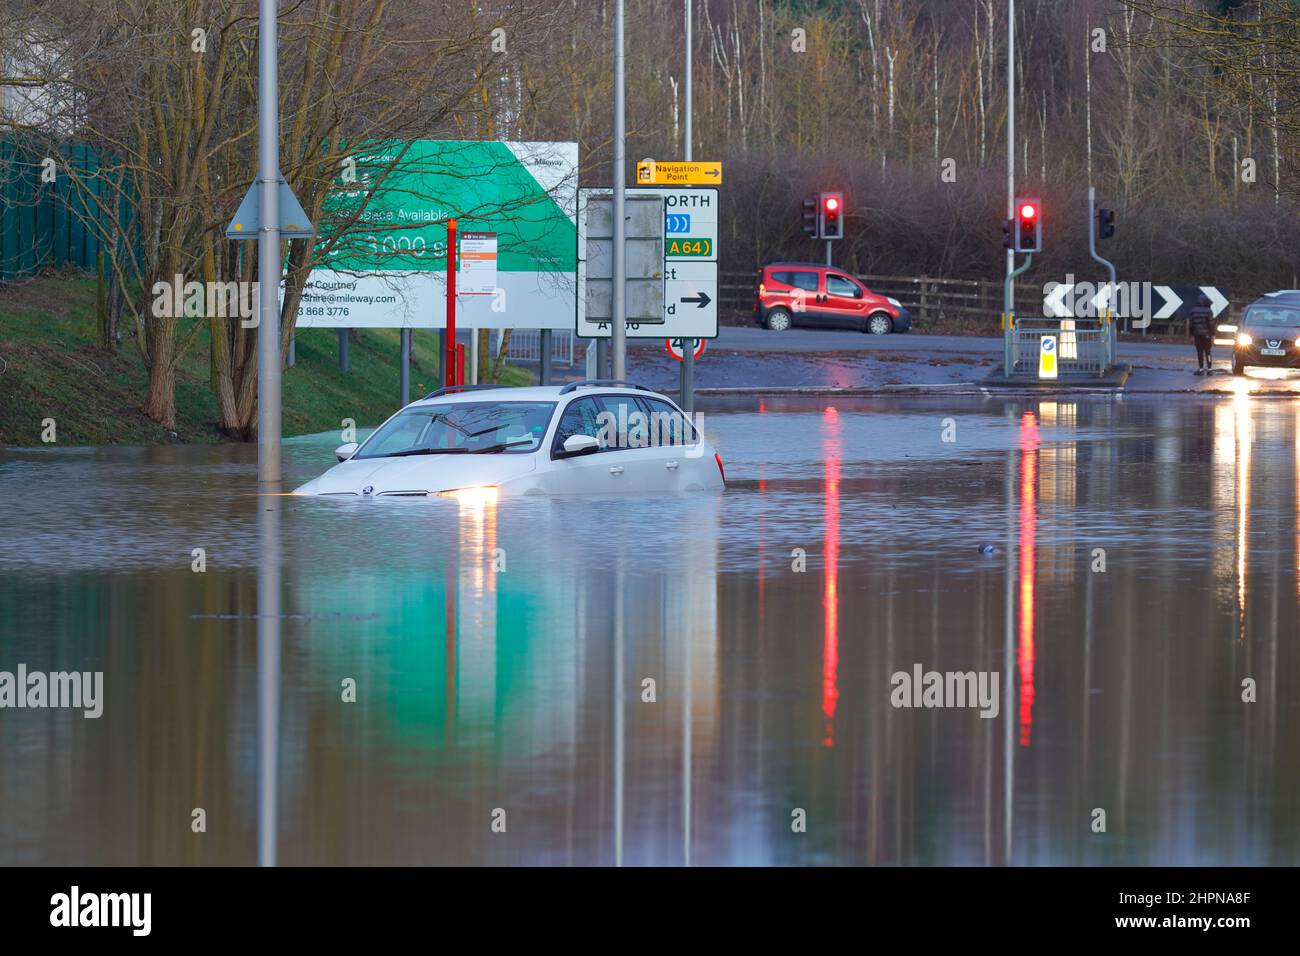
(828, 252)
(343, 350)
(686, 388)
(449, 336)
(268, 676)
(405, 377)
(1009, 292)
(1009, 317)
(544, 360)
(1092, 251)
(268, 246)
(292, 357)
(619, 330)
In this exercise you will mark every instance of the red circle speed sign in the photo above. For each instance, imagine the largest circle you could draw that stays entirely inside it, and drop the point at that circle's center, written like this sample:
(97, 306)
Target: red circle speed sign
(674, 347)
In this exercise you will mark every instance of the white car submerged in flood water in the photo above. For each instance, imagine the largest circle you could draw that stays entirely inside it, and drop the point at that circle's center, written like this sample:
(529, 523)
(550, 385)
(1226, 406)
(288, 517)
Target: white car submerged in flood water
(596, 437)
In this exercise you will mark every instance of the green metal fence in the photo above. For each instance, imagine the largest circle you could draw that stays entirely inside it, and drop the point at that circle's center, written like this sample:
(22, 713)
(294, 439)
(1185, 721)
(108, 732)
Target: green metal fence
(48, 224)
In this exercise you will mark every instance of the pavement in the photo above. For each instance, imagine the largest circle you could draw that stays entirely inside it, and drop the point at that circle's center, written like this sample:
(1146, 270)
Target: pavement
(753, 359)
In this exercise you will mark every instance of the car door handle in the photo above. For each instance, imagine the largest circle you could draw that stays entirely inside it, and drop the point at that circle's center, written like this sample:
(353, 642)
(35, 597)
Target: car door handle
(616, 469)
(670, 465)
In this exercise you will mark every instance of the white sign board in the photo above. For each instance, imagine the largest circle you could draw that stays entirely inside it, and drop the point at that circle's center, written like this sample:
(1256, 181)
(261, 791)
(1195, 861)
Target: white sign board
(477, 274)
(389, 269)
(690, 267)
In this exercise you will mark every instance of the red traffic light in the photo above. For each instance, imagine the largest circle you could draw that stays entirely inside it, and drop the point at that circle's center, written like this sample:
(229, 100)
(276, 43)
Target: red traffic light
(1028, 211)
(832, 204)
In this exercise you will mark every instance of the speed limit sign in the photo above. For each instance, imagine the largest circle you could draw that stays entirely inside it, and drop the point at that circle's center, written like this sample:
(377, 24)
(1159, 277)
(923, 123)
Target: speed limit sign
(674, 347)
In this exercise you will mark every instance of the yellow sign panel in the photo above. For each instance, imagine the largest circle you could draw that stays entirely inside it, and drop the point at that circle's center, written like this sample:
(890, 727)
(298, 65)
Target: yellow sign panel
(1047, 356)
(649, 172)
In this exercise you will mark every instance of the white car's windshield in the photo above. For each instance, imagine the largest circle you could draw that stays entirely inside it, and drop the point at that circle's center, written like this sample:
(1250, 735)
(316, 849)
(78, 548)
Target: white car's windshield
(468, 428)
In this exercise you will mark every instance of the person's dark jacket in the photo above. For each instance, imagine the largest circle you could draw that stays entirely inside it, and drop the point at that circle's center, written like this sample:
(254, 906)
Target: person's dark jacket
(1200, 322)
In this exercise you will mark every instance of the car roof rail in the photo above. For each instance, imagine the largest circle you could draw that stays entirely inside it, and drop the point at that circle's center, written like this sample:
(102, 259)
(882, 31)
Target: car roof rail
(451, 389)
(601, 383)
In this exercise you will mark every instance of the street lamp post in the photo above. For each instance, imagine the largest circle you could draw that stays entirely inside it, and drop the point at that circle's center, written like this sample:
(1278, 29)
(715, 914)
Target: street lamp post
(268, 248)
(618, 330)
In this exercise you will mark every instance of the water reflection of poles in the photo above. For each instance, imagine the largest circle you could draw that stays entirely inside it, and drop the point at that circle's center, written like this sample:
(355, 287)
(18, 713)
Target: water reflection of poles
(1008, 659)
(268, 673)
(619, 728)
(686, 734)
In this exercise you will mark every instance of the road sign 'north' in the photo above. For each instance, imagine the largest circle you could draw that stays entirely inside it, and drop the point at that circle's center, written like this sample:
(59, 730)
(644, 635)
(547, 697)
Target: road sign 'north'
(650, 172)
(690, 266)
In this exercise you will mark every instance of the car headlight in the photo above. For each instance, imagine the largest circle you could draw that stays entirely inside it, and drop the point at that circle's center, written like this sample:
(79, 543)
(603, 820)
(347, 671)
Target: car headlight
(894, 302)
(1244, 339)
(474, 495)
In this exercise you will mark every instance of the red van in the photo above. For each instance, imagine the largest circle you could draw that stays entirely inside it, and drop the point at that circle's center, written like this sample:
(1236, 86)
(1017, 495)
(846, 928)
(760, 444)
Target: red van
(802, 293)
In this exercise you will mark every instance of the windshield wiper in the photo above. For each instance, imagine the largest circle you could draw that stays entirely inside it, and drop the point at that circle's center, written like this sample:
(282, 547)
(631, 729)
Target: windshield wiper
(501, 446)
(425, 451)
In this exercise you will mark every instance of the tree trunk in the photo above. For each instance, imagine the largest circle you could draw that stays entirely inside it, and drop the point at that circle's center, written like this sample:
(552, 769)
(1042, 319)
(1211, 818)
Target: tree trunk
(160, 403)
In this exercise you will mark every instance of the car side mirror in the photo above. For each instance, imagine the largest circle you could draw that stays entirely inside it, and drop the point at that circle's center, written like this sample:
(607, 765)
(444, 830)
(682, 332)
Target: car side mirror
(344, 452)
(576, 445)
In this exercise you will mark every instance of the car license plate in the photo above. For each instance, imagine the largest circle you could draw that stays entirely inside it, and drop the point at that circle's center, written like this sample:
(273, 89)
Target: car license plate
(1272, 351)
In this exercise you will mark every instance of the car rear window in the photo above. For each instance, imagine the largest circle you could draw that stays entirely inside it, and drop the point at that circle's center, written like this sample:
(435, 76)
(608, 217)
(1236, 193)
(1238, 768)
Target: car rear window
(800, 280)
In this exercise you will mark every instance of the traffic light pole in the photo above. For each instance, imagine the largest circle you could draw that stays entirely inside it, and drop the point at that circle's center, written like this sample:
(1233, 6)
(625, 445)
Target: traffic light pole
(1008, 319)
(1009, 295)
(828, 252)
(1110, 267)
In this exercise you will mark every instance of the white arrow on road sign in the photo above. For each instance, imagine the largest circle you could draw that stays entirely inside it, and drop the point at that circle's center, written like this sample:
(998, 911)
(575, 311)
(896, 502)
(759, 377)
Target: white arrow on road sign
(1172, 302)
(1217, 302)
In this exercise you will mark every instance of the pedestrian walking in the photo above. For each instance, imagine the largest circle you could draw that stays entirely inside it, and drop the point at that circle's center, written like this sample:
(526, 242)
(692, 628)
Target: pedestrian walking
(1201, 326)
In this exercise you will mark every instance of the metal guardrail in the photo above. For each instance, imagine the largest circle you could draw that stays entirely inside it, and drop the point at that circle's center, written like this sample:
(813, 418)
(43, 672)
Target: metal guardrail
(1083, 345)
(526, 346)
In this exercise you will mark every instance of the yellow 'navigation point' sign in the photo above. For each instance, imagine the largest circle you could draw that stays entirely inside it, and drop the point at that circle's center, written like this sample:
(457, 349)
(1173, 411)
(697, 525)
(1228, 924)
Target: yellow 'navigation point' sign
(649, 172)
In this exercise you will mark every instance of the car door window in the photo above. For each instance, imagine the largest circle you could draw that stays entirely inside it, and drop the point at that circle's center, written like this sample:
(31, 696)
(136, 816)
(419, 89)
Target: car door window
(839, 285)
(668, 426)
(623, 423)
(580, 418)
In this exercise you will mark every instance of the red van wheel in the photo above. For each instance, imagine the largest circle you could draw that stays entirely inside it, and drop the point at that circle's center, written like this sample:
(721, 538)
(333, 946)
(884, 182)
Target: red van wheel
(880, 324)
(778, 320)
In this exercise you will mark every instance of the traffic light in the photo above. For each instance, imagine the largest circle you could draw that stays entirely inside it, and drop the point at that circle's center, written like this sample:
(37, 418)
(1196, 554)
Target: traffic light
(1105, 223)
(1008, 240)
(832, 216)
(810, 225)
(1029, 225)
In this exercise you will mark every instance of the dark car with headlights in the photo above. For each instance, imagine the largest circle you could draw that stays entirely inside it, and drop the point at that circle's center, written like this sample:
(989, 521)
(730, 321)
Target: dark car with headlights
(1268, 331)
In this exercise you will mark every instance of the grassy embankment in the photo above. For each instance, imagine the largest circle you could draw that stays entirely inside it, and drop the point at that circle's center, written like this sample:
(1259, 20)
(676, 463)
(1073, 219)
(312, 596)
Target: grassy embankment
(50, 367)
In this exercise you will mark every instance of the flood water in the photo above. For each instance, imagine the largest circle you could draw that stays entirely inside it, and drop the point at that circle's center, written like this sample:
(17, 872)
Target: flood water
(1143, 564)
